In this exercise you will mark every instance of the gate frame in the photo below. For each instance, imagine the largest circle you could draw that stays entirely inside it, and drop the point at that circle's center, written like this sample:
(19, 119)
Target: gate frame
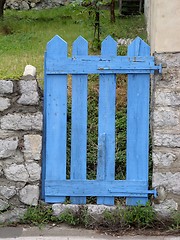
(138, 64)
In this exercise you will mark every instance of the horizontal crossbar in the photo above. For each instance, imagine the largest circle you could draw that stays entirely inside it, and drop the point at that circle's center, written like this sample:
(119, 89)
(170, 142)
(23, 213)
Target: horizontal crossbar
(116, 188)
(99, 65)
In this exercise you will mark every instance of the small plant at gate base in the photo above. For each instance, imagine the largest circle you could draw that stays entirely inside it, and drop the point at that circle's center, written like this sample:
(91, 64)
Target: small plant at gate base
(140, 216)
(39, 215)
(136, 216)
(176, 221)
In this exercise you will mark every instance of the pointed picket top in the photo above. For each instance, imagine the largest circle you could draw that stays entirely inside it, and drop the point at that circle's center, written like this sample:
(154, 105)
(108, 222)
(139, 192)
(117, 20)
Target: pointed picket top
(80, 46)
(56, 47)
(109, 47)
(138, 48)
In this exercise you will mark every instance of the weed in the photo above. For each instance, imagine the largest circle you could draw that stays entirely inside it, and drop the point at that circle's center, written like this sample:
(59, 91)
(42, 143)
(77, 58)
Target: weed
(140, 216)
(176, 221)
(38, 215)
(136, 216)
(79, 218)
(68, 217)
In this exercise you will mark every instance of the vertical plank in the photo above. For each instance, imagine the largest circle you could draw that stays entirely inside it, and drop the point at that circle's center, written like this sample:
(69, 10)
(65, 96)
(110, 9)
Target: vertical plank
(43, 171)
(138, 121)
(106, 121)
(56, 117)
(79, 120)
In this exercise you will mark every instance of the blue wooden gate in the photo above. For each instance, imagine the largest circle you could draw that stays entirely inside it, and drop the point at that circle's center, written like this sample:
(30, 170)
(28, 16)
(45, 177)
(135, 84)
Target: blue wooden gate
(138, 64)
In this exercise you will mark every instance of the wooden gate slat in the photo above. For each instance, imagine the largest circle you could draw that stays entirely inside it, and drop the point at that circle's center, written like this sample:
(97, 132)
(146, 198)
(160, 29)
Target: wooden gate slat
(138, 121)
(106, 121)
(79, 120)
(138, 65)
(56, 118)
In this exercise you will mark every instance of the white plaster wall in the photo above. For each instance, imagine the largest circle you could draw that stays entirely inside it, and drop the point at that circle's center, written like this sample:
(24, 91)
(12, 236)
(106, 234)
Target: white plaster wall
(163, 25)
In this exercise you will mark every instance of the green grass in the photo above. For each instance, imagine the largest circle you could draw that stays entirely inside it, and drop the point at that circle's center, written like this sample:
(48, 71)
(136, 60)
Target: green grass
(23, 39)
(24, 34)
(115, 221)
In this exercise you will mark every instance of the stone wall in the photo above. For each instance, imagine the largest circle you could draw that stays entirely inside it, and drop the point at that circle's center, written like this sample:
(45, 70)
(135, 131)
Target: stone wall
(20, 146)
(35, 4)
(166, 133)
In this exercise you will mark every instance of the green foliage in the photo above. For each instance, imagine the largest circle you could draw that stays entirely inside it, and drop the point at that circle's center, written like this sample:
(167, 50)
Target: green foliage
(136, 216)
(24, 34)
(38, 215)
(79, 218)
(67, 217)
(176, 221)
(140, 216)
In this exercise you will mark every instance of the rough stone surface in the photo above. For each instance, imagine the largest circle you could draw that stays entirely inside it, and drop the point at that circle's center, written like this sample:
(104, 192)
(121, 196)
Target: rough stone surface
(165, 97)
(60, 208)
(166, 132)
(20, 145)
(6, 86)
(29, 70)
(167, 139)
(168, 180)
(164, 159)
(29, 92)
(34, 171)
(166, 117)
(25, 5)
(32, 147)
(4, 103)
(12, 215)
(3, 205)
(29, 195)
(166, 208)
(19, 121)
(8, 147)
(36, 4)
(96, 211)
(16, 173)
(7, 192)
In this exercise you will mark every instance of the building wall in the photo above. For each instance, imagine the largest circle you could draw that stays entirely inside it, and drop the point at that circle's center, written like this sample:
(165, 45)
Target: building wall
(163, 25)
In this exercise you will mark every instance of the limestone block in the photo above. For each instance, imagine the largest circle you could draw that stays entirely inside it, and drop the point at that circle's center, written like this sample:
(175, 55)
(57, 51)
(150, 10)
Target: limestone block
(172, 60)
(32, 5)
(169, 79)
(168, 180)
(29, 195)
(34, 171)
(166, 139)
(18, 121)
(29, 92)
(29, 70)
(8, 146)
(7, 192)
(32, 147)
(24, 5)
(1, 170)
(60, 208)
(12, 215)
(166, 208)
(6, 86)
(4, 103)
(166, 117)
(17, 173)
(16, 158)
(165, 97)
(163, 159)
(3, 205)
(96, 211)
